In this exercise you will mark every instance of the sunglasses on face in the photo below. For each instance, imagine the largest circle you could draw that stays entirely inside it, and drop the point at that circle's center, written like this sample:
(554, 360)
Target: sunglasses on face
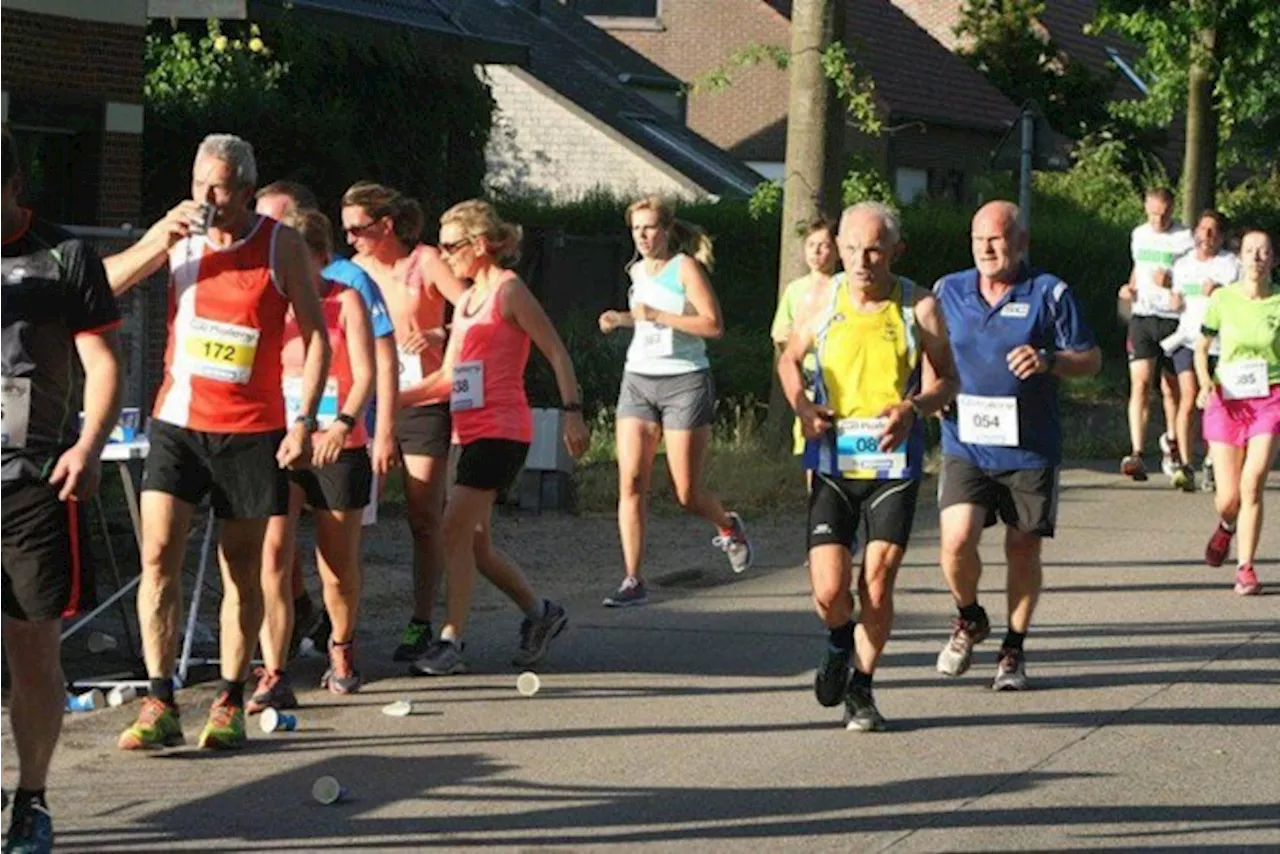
(357, 230)
(451, 248)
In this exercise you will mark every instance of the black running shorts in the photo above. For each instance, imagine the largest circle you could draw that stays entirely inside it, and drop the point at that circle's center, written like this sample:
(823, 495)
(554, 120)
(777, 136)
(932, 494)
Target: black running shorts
(1026, 499)
(424, 431)
(344, 485)
(238, 471)
(491, 464)
(45, 554)
(836, 504)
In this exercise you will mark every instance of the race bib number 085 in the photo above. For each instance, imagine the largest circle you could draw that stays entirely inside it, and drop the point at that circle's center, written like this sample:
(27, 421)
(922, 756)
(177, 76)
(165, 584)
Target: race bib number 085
(858, 450)
(988, 420)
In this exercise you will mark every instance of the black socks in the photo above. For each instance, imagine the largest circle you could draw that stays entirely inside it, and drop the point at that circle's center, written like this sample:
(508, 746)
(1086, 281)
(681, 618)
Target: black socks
(972, 613)
(162, 690)
(1013, 640)
(235, 691)
(841, 637)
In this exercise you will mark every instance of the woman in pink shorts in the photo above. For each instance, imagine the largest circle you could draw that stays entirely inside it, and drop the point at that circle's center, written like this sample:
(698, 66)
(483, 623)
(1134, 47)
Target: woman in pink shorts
(1241, 398)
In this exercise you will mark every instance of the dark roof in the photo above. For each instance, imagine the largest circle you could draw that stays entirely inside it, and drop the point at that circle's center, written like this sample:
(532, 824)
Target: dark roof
(586, 65)
(423, 19)
(915, 76)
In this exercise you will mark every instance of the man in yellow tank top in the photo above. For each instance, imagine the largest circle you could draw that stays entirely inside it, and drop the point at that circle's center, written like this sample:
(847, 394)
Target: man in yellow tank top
(865, 444)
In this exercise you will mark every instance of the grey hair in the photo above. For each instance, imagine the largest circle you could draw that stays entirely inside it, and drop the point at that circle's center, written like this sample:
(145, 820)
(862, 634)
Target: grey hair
(235, 151)
(887, 215)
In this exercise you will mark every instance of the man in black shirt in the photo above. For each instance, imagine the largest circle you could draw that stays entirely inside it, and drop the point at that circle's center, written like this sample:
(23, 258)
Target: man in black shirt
(58, 315)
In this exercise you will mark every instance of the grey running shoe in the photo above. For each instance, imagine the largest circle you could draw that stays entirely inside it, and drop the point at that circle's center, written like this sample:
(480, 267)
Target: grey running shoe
(536, 635)
(342, 676)
(442, 658)
(632, 592)
(415, 642)
(831, 681)
(274, 691)
(965, 635)
(1011, 671)
(860, 712)
(735, 544)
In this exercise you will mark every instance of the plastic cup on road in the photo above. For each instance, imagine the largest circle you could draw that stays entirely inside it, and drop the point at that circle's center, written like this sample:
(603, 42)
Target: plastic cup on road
(273, 720)
(100, 642)
(401, 708)
(528, 683)
(327, 790)
(86, 702)
(122, 694)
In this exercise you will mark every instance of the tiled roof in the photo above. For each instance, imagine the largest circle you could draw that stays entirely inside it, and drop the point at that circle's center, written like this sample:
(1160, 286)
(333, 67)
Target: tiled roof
(586, 65)
(915, 76)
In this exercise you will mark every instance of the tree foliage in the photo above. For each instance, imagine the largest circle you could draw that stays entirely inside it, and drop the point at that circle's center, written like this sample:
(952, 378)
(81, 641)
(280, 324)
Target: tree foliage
(1005, 41)
(1245, 62)
(320, 105)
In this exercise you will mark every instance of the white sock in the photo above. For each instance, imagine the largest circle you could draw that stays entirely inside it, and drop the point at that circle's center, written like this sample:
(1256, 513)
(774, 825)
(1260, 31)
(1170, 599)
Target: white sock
(538, 611)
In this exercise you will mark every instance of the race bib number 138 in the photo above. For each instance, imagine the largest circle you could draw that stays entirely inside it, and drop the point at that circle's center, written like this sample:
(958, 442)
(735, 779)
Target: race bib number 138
(468, 387)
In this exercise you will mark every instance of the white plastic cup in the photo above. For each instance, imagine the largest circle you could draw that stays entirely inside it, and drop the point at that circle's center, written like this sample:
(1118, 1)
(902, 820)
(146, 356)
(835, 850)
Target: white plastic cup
(122, 694)
(307, 649)
(86, 702)
(273, 720)
(327, 790)
(401, 708)
(100, 642)
(528, 683)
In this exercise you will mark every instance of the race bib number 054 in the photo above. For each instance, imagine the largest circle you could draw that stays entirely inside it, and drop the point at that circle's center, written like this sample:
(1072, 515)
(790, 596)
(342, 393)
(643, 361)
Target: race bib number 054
(988, 420)
(858, 450)
(223, 352)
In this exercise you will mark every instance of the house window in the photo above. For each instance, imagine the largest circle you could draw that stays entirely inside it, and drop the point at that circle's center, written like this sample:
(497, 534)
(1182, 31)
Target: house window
(910, 185)
(616, 8)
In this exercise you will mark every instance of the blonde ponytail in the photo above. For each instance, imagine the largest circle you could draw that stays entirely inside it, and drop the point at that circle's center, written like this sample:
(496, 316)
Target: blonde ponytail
(694, 241)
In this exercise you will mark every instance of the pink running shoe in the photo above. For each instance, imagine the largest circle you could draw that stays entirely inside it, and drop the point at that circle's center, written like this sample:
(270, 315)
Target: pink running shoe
(1219, 545)
(1247, 581)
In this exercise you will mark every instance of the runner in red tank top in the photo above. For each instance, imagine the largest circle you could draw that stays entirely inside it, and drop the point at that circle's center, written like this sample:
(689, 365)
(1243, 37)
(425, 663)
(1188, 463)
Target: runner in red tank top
(219, 424)
(484, 374)
(336, 487)
(383, 226)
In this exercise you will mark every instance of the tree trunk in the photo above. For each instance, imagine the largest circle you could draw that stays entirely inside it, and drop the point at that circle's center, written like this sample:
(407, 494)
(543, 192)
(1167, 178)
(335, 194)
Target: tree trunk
(1200, 157)
(815, 138)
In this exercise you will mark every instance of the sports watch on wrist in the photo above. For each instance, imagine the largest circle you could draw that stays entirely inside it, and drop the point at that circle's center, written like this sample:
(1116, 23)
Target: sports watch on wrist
(344, 418)
(1049, 357)
(307, 421)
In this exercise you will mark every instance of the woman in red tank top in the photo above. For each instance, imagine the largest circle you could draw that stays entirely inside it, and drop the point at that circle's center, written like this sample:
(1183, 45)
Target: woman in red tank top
(383, 226)
(483, 375)
(336, 487)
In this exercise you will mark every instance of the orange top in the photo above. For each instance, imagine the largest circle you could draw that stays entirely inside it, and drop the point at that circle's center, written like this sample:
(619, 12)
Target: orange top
(417, 307)
(226, 332)
(488, 355)
(333, 307)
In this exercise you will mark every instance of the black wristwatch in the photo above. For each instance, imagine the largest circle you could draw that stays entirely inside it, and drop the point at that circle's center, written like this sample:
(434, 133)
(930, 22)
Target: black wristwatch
(1050, 359)
(308, 421)
(344, 418)
(571, 407)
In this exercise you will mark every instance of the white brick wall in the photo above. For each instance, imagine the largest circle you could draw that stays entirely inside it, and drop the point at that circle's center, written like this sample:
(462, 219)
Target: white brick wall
(544, 145)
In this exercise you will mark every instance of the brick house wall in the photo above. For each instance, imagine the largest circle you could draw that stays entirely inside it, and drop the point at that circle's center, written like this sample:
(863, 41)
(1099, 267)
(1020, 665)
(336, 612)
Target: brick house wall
(748, 118)
(545, 144)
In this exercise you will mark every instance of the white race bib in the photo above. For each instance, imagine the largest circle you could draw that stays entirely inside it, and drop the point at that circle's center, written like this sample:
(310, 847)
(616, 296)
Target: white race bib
(468, 387)
(1244, 380)
(988, 420)
(410, 369)
(656, 341)
(15, 412)
(858, 450)
(218, 351)
(328, 409)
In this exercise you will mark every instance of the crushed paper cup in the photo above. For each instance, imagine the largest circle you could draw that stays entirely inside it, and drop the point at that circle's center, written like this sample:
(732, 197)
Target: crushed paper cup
(528, 683)
(401, 708)
(327, 790)
(121, 694)
(273, 720)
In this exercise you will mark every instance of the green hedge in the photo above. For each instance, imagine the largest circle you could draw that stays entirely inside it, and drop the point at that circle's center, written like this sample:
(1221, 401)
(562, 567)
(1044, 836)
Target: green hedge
(1090, 252)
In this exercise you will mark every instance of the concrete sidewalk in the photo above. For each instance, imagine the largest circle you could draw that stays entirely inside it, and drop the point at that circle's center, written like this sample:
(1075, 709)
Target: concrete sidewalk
(690, 724)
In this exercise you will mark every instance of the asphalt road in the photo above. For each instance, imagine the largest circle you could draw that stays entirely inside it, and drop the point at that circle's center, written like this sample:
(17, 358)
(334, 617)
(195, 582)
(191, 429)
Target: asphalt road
(690, 724)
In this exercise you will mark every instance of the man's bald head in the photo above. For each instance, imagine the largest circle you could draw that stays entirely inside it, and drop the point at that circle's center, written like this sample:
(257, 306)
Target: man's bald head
(999, 240)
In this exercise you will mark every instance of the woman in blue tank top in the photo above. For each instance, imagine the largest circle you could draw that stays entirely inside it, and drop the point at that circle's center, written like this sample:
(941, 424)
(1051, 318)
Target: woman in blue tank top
(667, 390)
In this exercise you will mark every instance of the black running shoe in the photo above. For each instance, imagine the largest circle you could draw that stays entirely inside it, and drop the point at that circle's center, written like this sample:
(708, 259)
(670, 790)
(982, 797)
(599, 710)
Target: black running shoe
(832, 678)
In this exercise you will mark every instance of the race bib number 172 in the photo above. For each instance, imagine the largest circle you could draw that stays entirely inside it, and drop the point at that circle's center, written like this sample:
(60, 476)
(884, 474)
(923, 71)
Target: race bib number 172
(218, 351)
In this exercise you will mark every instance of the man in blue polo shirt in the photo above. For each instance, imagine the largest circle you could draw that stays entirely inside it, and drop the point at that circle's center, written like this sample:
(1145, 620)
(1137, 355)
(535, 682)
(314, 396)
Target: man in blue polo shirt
(1015, 333)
